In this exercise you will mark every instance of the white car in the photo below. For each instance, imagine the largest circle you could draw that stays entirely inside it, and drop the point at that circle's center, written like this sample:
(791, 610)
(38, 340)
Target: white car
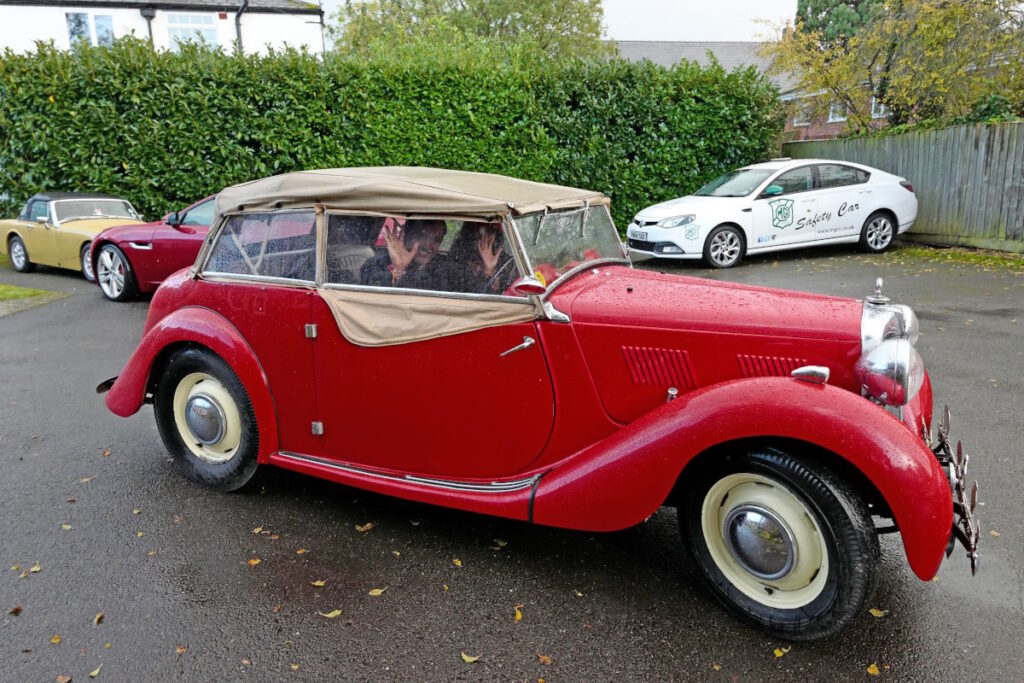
(782, 204)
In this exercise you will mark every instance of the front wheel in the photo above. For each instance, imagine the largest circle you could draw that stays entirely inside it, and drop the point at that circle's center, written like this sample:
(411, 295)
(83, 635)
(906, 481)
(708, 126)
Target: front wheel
(878, 232)
(724, 247)
(785, 544)
(86, 263)
(19, 255)
(206, 420)
(117, 281)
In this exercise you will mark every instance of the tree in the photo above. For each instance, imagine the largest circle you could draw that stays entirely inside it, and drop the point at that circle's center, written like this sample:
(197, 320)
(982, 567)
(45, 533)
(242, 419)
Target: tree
(835, 21)
(923, 59)
(546, 27)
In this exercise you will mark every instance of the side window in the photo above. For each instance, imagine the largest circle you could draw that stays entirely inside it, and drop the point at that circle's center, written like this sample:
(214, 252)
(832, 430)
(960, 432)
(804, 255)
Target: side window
(798, 180)
(280, 244)
(200, 215)
(837, 175)
(37, 210)
(466, 257)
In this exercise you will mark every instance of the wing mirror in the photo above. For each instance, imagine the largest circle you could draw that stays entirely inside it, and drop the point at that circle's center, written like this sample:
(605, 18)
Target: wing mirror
(173, 219)
(529, 285)
(41, 219)
(772, 191)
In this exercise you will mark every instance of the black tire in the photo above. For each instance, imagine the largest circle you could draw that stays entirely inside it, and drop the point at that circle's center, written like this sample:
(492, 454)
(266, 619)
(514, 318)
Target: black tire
(115, 275)
(225, 465)
(23, 264)
(86, 263)
(816, 606)
(724, 247)
(878, 232)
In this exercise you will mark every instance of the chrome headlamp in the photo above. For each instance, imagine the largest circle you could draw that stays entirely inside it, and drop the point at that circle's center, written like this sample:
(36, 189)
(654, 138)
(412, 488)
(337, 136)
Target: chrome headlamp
(676, 221)
(892, 373)
(882, 320)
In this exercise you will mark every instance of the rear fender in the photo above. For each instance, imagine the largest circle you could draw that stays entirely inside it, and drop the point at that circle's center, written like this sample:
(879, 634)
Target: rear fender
(201, 327)
(623, 479)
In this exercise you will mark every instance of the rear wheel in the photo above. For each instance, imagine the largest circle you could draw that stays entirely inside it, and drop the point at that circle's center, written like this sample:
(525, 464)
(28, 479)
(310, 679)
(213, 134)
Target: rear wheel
(785, 544)
(724, 247)
(878, 232)
(86, 263)
(114, 274)
(19, 255)
(206, 420)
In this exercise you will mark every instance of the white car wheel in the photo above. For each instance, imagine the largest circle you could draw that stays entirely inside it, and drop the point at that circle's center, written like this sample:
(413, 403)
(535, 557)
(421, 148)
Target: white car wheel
(878, 232)
(724, 247)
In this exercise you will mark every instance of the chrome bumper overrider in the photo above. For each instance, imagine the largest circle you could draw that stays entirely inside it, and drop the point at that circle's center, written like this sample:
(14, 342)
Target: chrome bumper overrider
(965, 525)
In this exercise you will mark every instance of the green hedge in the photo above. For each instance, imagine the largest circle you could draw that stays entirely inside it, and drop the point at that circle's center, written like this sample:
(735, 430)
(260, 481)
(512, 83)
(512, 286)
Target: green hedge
(165, 129)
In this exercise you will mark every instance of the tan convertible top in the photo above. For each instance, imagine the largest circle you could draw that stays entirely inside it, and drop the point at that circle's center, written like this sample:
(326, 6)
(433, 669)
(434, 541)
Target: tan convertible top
(404, 191)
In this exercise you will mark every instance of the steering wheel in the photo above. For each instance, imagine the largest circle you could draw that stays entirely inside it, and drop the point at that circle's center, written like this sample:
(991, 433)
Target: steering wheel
(494, 278)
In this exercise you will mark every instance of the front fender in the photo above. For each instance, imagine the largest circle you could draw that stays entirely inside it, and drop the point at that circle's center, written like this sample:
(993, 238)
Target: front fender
(203, 327)
(624, 478)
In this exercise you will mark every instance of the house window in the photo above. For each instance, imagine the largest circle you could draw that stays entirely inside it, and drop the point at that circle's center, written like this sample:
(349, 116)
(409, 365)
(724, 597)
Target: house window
(836, 112)
(878, 109)
(802, 115)
(104, 25)
(184, 28)
(78, 28)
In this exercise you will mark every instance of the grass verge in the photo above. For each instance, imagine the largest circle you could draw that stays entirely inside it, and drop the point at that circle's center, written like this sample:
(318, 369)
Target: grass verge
(12, 293)
(961, 255)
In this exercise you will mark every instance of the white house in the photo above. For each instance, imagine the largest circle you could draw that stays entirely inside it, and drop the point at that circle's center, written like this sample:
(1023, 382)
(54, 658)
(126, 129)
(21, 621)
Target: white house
(258, 24)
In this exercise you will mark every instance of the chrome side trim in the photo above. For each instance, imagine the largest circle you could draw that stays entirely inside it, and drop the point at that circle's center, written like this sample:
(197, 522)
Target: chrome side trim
(816, 374)
(492, 487)
(145, 246)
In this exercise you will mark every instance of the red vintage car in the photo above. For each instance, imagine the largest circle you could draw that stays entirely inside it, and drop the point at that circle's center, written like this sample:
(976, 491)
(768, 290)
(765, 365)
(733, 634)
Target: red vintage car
(498, 354)
(129, 259)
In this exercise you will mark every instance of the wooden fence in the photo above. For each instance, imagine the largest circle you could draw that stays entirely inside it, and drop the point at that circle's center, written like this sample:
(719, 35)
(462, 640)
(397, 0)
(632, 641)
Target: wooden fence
(969, 180)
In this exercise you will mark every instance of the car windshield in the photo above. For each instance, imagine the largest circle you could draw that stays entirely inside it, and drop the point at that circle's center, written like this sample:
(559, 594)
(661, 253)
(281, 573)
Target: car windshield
(560, 241)
(734, 183)
(70, 209)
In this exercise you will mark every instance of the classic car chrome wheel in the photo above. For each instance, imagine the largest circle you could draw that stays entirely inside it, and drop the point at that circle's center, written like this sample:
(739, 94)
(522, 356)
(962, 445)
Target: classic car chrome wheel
(783, 542)
(724, 247)
(206, 419)
(86, 263)
(115, 274)
(878, 232)
(19, 255)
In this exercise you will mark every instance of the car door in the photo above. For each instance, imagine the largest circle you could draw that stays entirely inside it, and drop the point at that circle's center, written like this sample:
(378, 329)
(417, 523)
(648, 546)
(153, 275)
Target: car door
(175, 247)
(38, 235)
(845, 198)
(786, 218)
(401, 391)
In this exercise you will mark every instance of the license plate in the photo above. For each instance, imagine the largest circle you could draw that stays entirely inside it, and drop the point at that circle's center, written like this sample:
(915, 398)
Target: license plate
(637, 235)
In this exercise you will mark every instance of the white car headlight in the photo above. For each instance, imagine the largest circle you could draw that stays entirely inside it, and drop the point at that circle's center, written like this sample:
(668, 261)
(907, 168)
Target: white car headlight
(892, 373)
(676, 221)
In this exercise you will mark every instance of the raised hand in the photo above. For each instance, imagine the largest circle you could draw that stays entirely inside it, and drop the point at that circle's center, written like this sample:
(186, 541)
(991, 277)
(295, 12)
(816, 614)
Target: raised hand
(488, 254)
(394, 239)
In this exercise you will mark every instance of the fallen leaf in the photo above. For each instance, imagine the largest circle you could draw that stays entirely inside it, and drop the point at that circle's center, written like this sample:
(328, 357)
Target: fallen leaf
(277, 608)
(106, 454)
(63, 679)
(457, 562)
(274, 537)
(578, 594)
(519, 613)
(873, 670)
(994, 533)
(254, 561)
(15, 568)
(55, 640)
(65, 527)
(107, 645)
(181, 650)
(246, 662)
(396, 553)
(139, 534)
(85, 480)
(377, 592)
(96, 620)
(781, 651)
(499, 544)
(875, 612)
(152, 553)
(301, 551)
(414, 522)
(178, 519)
(716, 667)
(363, 528)
(257, 530)
(544, 659)
(935, 579)
(23, 574)
(136, 511)
(445, 586)
(319, 584)
(14, 611)
(36, 568)
(95, 672)
(71, 500)
(469, 659)
(333, 614)
(295, 667)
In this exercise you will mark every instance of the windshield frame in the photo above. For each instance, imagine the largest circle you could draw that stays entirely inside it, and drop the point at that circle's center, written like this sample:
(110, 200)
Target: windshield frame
(58, 221)
(769, 173)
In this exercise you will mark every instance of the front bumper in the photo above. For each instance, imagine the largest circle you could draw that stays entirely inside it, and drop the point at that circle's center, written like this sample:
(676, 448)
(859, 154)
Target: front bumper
(965, 529)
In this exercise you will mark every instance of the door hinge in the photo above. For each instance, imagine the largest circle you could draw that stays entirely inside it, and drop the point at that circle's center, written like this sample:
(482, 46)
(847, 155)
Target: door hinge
(310, 331)
(318, 428)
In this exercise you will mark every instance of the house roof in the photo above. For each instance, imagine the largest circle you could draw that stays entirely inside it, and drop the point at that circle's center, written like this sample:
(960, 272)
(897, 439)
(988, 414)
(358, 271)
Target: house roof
(730, 54)
(256, 6)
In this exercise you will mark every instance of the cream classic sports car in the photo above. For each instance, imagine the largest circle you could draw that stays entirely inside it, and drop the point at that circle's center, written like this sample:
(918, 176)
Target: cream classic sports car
(57, 229)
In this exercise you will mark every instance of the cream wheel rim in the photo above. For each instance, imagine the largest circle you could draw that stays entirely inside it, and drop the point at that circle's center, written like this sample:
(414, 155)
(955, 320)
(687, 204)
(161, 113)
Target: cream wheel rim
(789, 568)
(207, 418)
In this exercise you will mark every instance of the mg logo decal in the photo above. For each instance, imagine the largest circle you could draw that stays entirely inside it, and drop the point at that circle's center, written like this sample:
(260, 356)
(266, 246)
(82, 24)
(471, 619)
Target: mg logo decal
(782, 213)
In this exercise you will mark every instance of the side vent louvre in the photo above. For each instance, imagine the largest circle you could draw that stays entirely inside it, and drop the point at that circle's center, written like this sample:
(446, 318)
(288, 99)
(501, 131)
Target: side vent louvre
(768, 366)
(659, 367)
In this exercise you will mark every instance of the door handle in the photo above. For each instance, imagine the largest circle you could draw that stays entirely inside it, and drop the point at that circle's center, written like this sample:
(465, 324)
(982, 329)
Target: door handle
(527, 343)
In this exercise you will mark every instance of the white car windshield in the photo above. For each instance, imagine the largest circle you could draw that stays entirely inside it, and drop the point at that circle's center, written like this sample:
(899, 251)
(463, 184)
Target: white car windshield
(734, 183)
(70, 209)
(558, 242)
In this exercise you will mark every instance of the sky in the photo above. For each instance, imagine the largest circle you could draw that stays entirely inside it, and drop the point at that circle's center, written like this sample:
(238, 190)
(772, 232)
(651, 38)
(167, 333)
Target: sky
(684, 20)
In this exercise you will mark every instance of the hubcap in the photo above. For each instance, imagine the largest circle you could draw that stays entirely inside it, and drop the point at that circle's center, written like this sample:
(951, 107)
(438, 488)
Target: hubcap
(760, 541)
(205, 419)
(725, 248)
(111, 273)
(86, 264)
(765, 540)
(17, 254)
(879, 233)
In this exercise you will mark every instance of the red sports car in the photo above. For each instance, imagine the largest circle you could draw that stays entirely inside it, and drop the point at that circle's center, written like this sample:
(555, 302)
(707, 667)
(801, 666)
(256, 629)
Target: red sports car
(129, 259)
(483, 343)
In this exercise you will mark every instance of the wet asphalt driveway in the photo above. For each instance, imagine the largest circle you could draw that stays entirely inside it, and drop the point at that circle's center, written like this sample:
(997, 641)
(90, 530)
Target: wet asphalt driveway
(91, 500)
